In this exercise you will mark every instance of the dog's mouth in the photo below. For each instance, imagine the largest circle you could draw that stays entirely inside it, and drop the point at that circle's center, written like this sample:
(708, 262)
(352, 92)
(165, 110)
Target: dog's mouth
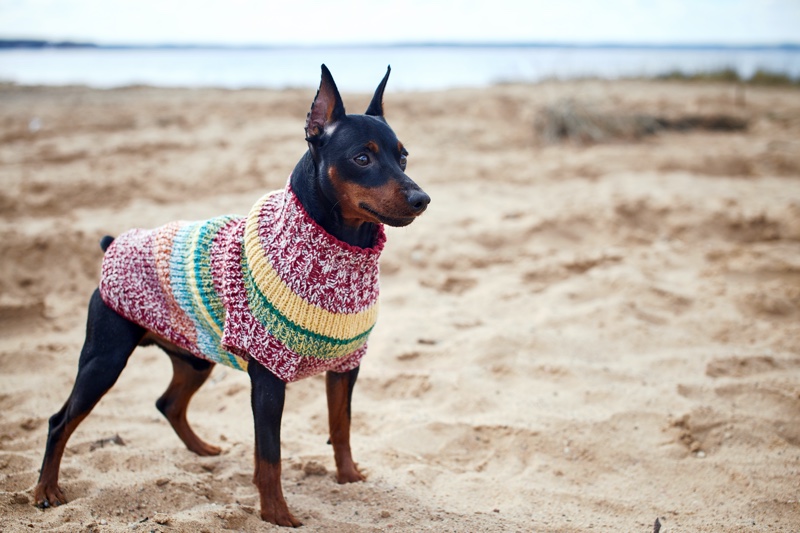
(386, 219)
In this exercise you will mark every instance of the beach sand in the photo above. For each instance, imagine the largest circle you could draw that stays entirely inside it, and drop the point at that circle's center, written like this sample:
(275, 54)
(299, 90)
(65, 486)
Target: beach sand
(573, 337)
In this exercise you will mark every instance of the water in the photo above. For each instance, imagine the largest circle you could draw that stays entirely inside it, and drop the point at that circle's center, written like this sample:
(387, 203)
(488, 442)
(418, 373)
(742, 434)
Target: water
(359, 69)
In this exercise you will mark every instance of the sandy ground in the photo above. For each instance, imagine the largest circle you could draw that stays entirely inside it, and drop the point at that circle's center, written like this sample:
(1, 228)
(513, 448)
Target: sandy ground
(572, 338)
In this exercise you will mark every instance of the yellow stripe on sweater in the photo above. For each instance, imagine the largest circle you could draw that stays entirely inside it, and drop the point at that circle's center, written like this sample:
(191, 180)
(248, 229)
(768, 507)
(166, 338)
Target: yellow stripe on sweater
(304, 314)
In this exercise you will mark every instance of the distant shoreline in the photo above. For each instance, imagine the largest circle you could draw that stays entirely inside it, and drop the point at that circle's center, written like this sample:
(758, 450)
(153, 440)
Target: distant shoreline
(430, 66)
(37, 44)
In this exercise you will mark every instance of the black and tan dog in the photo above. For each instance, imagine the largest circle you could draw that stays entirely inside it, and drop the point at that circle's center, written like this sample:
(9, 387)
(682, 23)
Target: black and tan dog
(349, 183)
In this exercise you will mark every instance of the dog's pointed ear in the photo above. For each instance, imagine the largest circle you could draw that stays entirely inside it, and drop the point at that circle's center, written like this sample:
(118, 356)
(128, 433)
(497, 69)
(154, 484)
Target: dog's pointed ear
(376, 106)
(326, 109)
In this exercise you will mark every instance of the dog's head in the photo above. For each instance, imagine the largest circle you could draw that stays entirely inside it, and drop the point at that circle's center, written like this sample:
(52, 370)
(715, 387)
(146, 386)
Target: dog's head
(361, 163)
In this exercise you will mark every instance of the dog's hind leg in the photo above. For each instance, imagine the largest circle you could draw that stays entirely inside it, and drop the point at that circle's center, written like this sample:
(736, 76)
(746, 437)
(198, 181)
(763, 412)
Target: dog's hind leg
(339, 387)
(188, 374)
(110, 340)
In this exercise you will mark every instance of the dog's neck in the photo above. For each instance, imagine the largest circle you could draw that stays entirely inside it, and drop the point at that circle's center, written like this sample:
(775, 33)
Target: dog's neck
(308, 188)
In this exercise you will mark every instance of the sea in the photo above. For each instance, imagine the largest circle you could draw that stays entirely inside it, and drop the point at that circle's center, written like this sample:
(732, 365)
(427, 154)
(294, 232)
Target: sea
(359, 68)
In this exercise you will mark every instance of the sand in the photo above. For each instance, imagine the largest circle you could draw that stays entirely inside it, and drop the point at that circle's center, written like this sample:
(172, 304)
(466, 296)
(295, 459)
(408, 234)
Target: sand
(572, 338)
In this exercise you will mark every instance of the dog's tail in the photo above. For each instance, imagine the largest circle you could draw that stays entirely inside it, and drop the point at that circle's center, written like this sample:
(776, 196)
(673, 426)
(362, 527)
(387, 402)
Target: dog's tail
(106, 241)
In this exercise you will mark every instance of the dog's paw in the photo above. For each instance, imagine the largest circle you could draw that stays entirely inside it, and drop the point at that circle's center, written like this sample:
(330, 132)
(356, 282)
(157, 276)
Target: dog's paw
(350, 475)
(279, 516)
(204, 449)
(45, 496)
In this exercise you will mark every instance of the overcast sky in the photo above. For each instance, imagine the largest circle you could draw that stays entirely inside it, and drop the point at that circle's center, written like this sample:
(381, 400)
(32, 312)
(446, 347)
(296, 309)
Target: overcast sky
(375, 21)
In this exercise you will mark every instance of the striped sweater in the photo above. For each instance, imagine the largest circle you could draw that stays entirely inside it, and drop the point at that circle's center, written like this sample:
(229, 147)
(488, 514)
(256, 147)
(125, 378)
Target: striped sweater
(273, 286)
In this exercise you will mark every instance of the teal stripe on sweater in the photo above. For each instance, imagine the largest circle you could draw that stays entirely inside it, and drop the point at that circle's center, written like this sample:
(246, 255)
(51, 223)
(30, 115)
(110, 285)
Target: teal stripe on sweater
(202, 269)
(209, 298)
(193, 286)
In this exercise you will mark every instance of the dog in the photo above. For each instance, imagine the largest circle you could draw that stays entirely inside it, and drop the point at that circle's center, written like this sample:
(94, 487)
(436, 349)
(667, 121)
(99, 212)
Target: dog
(286, 292)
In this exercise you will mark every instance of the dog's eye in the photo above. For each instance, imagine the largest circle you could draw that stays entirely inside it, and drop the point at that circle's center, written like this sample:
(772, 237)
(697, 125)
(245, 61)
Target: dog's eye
(361, 160)
(403, 162)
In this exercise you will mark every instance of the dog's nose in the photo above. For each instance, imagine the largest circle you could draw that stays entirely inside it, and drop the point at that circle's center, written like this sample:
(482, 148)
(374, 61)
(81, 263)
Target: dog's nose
(418, 200)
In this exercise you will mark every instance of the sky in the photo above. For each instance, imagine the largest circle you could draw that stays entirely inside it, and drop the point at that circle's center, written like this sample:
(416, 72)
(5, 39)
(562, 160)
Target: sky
(314, 22)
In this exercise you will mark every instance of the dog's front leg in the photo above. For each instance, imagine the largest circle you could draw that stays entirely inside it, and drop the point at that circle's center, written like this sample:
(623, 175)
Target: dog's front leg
(268, 394)
(339, 387)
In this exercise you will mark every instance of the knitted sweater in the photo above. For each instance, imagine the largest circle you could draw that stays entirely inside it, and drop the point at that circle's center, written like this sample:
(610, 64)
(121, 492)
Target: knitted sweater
(273, 286)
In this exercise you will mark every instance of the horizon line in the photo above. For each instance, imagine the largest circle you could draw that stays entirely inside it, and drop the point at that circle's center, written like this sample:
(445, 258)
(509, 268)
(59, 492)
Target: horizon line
(32, 43)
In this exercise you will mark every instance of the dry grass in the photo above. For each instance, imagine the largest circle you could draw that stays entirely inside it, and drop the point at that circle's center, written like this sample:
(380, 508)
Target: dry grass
(580, 123)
